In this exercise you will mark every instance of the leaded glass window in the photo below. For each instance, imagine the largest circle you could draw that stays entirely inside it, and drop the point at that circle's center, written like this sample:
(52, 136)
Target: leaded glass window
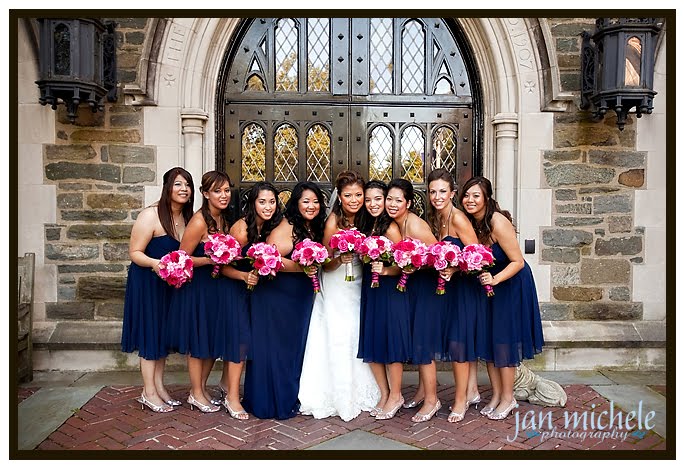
(255, 84)
(413, 56)
(380, 145)
(286, 153)
(318, 153)
(253, 153)
(62, 50)
(318, 57)
(286, 56)
(444, 146)
(412, 154)
(381, 63)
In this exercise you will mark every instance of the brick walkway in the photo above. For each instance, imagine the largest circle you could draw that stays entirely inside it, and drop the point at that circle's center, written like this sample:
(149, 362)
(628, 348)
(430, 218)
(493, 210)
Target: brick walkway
(113, 420)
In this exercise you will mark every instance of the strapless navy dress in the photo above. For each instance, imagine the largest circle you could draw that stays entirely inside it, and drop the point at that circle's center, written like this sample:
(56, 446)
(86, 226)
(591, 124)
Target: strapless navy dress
(427, 310)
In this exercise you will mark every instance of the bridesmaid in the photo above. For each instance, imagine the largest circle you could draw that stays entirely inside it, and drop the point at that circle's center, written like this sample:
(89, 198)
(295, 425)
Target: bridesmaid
(465, 303)
(385, 335)
(281, 311)
(200, 308)
(156, 232)
(426, 306)
(515, 331)
(262, 214)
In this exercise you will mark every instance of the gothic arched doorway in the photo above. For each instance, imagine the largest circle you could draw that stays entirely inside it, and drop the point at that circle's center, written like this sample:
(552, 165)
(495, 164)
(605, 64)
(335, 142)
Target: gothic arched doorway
(304, 98)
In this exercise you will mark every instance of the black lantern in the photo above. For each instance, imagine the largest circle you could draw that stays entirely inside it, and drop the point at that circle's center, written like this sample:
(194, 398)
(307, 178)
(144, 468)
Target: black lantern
(617, 69)
(77, 63)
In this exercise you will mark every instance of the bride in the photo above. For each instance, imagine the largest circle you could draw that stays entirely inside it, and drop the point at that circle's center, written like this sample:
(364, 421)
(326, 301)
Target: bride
(334, 381)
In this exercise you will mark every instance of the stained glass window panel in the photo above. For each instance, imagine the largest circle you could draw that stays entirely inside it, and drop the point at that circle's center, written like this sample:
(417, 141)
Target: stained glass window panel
(286, 56)
(413, 58)
(444, 146)
(318, 63)
(253, 153)
(381, 60)
(380, 154)
(318, 153)
(286, 154)
(412, 154)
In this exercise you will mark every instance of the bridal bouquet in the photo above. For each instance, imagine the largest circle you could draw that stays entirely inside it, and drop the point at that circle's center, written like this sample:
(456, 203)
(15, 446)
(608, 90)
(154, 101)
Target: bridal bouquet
(222, 249)
(265, 259)
(408, 253)
(441, 255)
(176, 268)
(347, 241)
(309, 253)
(476, 258)
(375, 249)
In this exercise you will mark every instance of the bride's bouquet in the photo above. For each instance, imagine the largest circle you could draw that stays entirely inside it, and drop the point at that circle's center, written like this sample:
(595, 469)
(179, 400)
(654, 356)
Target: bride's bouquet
(375, 249)
(222, 249)
(347, 241)
(441, 255)
(176, 268)
(476, 258)
(266, 260)
(408, 253)
(309, 253)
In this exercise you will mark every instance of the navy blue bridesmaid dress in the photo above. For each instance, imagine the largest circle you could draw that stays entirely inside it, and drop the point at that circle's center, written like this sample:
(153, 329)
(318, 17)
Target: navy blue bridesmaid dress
(146, 304)
(280, 314)
(427, 312)
(235, 323)
(513, 316)
(464, 317)
(385, 329)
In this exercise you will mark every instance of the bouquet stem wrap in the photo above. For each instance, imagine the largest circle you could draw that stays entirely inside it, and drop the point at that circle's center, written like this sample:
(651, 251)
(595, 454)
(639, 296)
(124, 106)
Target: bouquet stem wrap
(310, 254)
(441, 283)
(347, 241)
(408, 253)
(349, 272)
(401, 285)
(375, 279)
(376, 249)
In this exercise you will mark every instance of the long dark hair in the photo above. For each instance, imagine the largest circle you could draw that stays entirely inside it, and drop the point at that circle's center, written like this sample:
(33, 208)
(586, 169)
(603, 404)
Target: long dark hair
(345, 178)
(366, 221)
(251, 215)
(432, 216)
(407, 189)
(164, 205)
(210, 180)
(483, 228)
(295, 218)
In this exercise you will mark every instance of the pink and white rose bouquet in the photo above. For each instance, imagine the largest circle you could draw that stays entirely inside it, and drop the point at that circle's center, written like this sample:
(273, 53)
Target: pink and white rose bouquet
(408, 253)
(222, 249)
(441, 255)
(265, 259)
(176, 268)
(347, 241)
(476, 258)
(308, 254)
(375, 249)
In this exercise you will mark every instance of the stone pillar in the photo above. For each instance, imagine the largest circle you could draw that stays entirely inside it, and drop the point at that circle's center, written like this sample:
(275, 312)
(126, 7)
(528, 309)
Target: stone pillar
(506, 134)
(192, 124)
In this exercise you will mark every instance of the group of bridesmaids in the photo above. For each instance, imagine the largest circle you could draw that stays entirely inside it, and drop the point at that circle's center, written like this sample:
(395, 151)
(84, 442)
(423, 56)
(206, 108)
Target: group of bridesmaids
(267, 327)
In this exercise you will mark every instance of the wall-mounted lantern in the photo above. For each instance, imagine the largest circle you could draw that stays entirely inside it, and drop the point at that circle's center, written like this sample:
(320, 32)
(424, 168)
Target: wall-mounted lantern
(77, 63)
(617, 69)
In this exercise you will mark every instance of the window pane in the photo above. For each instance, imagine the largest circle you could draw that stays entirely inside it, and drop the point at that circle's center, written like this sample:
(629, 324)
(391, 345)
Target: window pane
(319, 55)
(412, 154)
(380, 154)
(381, 63)
(318, 154)
(255, 84)
(413, 58)
(286, 55)
(253, 153)
(443, 87)
(633, 62)
(62, 39)
(444, 146)
(286, 154)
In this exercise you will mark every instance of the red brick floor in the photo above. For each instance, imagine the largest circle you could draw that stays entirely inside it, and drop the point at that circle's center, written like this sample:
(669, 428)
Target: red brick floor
(113, 420)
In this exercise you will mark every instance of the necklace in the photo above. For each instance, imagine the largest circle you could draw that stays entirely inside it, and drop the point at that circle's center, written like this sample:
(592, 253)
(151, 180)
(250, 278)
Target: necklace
(444, 224)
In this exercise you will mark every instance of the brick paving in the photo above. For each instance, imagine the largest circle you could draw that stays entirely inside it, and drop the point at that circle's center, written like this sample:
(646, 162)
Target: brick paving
(113, 420)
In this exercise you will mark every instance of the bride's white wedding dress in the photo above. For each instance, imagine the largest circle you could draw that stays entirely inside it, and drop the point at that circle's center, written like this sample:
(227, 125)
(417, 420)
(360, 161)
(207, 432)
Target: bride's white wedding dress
(334, 381)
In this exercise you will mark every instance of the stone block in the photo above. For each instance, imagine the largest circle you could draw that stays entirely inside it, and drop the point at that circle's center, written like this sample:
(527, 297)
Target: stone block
(566, 237)
(560, 255)
(574, 208)
(568, 61)
(77, 152)
(605, 271)
(577, 174)
(70, 201)
(115, 252)
(619, 293)
(70, 252)
(128, 120)
(100, 231)
(570, 221)
(619, 245)
(91, 268)
(565, 194)
(612, 204)
(570, 81)
(554, 311)
(85, 116)
(113, 135)
(135, 37)
(53, 233)
(138, 175)
(127, 58)
(577, 293)
(571, 29)
(562, 155)
(67, 186)
(74, 171)
(94, 215)
(563, 275)
(101, 287)
(62, 136)
(131, 154)
(598, 190)
(607, 311)
(127, 76)
(69, 310)
(595, 135)
(619, 223)
(109, 310)
(617, 158)
(567, 45)
(114, 201)
(66, 293)
(633, 178)
(130, 23)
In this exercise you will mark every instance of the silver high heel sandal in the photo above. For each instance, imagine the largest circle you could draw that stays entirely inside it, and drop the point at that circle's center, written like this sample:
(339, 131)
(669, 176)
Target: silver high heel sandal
(204, 408)
(504, 413)
(457, 417)
(173, 402)
(236, 414)
(384, 415)
(425, 417)
(153, 407)
(413, 403)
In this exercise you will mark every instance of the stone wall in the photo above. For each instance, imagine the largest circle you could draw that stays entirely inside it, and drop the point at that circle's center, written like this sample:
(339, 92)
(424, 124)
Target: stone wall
(593, 170)
(99, 166)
